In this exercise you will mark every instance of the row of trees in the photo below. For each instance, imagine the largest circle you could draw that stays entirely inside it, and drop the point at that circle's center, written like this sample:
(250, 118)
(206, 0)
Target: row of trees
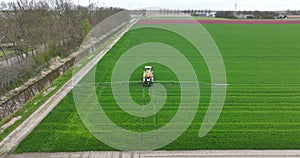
(233, 14)
(168, 11)
(225, 14)
(195, 11)
(254, 14)
(292, 12)
(37, 31)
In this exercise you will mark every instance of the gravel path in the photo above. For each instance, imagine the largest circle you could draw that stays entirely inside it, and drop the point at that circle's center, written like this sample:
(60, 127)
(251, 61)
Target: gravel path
(169, 154)
(14, 138)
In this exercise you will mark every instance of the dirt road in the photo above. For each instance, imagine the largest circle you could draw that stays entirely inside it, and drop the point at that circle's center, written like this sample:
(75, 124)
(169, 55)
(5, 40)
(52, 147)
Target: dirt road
(169, 154)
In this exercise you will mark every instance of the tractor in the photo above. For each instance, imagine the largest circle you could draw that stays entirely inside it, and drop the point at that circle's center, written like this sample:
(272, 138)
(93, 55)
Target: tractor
(148, 76)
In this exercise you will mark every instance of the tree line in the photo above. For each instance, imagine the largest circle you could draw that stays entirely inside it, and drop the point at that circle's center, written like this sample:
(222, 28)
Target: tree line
(252, 14)
(255, 14)
(37, 31)
(235, 14)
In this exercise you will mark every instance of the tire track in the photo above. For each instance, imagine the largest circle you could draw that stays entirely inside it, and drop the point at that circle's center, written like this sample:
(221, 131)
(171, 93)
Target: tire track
(143, 104)
(155, 115)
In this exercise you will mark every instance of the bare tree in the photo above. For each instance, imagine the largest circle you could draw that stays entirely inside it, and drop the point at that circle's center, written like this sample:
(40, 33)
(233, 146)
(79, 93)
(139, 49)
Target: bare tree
(42, 29)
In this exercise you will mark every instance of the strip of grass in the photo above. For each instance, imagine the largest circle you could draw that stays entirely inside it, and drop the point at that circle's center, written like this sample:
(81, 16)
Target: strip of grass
(261, 109)
(6, 51)
(35, 103)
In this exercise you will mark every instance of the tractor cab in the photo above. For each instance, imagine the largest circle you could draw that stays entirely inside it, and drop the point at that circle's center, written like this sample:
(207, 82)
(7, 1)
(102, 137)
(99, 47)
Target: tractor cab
(148, 77)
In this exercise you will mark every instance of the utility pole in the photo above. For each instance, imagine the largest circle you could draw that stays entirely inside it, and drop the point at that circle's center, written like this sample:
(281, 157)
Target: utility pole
(78, 5)
(235, 8)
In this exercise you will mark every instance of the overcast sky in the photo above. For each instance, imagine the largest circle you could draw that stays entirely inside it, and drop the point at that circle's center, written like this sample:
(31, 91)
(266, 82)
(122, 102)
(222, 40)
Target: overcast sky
(197, 4)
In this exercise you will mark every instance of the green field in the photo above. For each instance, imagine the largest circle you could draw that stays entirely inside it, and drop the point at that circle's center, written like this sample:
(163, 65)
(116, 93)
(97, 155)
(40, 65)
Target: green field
(262, 108)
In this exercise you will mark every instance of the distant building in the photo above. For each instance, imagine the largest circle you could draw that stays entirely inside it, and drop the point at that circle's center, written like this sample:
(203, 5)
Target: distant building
(282, 17)
(205, 13)
(245, 16)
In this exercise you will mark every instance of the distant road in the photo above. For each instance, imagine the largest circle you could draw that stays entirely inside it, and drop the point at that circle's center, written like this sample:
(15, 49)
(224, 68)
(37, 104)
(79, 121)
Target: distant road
(12, 60)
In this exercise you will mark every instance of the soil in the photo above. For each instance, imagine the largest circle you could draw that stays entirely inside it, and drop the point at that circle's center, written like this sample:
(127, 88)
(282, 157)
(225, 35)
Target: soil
(235, 21)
